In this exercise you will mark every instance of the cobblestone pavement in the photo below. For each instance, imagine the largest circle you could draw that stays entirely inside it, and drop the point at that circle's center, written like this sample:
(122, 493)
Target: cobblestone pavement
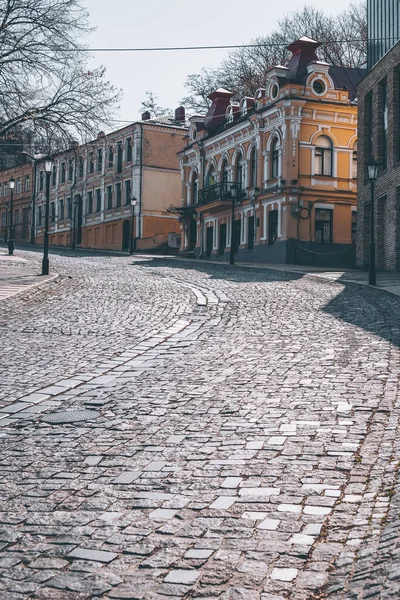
(17, 275)
(174, 431)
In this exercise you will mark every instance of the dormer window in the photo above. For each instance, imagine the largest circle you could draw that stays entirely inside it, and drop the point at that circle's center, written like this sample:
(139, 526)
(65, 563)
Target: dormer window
(229, 114)
(243, 108)
(319, 87)
(194, 134)
(274, 91)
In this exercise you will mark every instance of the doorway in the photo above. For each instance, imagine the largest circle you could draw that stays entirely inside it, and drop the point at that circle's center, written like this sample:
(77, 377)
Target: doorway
(250, 233)
(236, 235)
(222, 238)
(79, 222)
(125, 235)
(209, 240)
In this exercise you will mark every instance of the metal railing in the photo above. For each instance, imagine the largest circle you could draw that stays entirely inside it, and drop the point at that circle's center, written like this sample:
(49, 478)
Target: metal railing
(218, 192)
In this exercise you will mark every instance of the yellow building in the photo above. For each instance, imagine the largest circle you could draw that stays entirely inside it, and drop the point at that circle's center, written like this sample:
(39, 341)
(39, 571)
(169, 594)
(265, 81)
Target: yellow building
(283, 163)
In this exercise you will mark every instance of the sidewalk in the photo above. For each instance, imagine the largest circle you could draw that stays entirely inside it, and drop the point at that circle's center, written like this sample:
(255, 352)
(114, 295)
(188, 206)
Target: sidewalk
(17, 275)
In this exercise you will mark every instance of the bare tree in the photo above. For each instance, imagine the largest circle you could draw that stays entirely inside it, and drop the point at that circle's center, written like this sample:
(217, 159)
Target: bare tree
(155, 110)
(343, 43)
(45, 83)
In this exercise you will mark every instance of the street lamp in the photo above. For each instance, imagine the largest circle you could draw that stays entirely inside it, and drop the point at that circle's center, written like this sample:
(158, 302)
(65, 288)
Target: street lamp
(48, 167)
(234, 193)
(373, 168)
(132, 244)
(11, 244)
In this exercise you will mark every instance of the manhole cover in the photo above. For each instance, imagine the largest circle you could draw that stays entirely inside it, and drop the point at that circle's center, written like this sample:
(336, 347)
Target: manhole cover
(71, 416)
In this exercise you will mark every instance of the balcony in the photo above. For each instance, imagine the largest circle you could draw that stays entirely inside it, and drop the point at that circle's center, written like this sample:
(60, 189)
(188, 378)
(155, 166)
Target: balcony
(219, 192)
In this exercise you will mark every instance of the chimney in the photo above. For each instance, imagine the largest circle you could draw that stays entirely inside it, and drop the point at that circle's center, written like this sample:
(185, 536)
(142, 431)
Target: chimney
(303, 53)
(220, 101)
(146, 116)
(180, 114)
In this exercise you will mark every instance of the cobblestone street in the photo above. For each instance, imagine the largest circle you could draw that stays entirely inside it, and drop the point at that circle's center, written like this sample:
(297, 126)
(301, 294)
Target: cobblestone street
(174, 430)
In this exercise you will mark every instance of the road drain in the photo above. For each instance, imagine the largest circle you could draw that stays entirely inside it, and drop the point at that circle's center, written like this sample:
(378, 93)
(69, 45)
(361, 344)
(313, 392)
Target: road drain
(71, 416)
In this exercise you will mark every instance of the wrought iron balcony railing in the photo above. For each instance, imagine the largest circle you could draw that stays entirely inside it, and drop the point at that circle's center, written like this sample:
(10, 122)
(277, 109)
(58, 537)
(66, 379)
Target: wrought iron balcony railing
(219, 192)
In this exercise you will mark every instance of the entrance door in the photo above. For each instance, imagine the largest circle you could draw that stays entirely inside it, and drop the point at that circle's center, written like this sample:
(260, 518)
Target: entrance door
(209, 242)
(250, 233)
(25, 222)
(222, 238)
(236, 235)
(125, 235)
(79, 221)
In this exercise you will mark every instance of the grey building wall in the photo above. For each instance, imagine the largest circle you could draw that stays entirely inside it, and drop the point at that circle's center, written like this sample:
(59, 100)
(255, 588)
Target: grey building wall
(383, 28)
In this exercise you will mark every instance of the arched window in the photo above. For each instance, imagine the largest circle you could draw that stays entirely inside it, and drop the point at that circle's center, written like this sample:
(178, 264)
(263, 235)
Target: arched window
(354, 161)
(210, 177)
(195, 189)
(323, 157)
(239, 170)
(229, 114)
(253, 168)
(275, 159)
(224, 175)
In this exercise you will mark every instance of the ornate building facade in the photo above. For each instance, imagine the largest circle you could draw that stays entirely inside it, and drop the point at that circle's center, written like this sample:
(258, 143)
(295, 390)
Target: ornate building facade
(286, 159)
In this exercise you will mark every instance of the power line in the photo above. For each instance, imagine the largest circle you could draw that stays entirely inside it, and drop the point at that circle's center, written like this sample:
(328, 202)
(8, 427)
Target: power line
(219, 47)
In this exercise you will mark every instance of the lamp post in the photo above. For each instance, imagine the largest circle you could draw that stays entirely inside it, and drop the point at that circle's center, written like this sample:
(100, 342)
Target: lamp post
(372, 176)
(234, 192)
(132, 244)
(11, 244)
(48, 167)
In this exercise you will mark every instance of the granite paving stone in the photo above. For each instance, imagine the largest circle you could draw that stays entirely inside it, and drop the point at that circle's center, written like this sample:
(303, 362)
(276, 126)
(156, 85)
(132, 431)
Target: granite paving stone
(244, 442)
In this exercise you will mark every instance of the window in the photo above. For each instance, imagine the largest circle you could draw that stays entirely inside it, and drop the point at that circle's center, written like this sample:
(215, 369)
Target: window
(354, 227)
(239, 170)
(118, 194)
(195, 189)
(99, 159)
(275, 159)
(91, 162)
(98, 200)
(41, 181)
(383, 125)
(210, 177)
(127, 191)
(62, 215)
(110, 156)
(27, 183)
(128, 149)
(272, 227)
(63, 172)
(1, 190)
(368, 129)
(81, 166)
(354, 161)
(18, 185)
(323, 225)
(54, 176)
(69, 208)
(119, 157)
(253, 168)
(39, 216)
(52, 212)
(323, 157)
(5, 191)
(90, 203)
(109, 197)
(3, 219)
(70, 170)
(16, 217)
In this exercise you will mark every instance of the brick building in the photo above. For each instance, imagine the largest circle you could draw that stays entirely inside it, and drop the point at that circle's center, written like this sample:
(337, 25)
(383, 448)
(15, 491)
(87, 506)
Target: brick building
(292, 152)
(379, 136)
(22, 198)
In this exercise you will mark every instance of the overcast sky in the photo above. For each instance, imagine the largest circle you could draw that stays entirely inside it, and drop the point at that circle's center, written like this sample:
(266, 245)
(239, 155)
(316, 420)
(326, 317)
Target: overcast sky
(134, 23)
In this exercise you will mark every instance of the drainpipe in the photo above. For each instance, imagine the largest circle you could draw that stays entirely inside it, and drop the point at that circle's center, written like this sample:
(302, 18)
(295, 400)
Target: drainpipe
(203, 174)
